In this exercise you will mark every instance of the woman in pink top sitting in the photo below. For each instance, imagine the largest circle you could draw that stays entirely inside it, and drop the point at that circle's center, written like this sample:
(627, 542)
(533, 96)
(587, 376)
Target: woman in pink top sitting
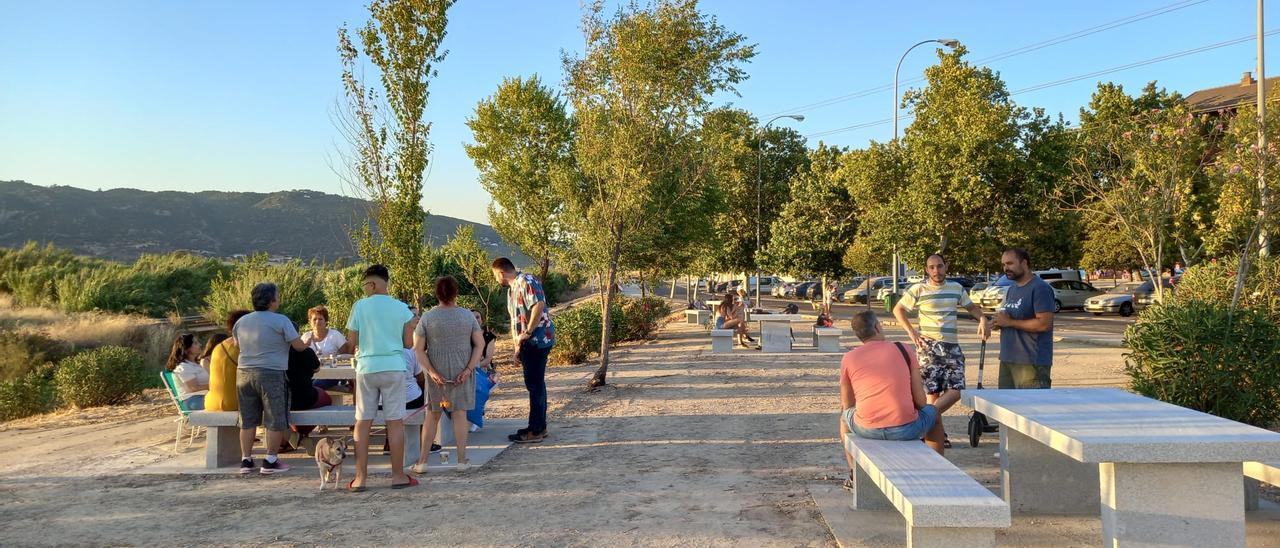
(881, 391)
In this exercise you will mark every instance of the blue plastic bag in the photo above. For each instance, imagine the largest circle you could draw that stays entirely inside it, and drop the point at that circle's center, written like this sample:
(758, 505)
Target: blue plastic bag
(484, 385)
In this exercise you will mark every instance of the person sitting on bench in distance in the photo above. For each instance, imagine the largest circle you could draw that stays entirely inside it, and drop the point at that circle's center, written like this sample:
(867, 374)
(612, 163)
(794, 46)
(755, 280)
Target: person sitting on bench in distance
(881, 391)
(727, 317)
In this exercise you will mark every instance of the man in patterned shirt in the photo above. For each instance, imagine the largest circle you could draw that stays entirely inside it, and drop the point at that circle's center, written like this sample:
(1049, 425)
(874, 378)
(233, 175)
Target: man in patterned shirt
(941, 359)
(533, 335)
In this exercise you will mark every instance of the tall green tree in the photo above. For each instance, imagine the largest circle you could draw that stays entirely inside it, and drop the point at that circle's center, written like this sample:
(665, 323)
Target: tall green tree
(747, 158)
(523, 141)
(1139, 175)
(474, 264)
(817, 227)
(970, 176)
(386, 130)
(639, 93)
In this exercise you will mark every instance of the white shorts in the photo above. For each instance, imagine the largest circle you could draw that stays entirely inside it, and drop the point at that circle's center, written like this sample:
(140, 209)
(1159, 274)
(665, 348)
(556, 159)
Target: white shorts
(387, 388)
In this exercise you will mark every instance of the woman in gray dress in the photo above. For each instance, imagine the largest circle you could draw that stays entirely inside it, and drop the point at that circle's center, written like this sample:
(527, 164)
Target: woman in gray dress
(448, 343)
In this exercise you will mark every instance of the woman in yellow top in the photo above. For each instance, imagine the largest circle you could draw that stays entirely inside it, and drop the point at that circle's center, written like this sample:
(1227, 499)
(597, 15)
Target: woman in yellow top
(222, 371)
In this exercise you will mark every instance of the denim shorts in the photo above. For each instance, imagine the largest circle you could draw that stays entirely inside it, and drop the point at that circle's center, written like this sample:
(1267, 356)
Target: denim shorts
(926, 417)
(719, 322)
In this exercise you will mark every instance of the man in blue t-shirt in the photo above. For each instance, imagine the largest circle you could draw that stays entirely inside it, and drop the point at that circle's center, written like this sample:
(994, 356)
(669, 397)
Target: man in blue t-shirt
(1026, 325)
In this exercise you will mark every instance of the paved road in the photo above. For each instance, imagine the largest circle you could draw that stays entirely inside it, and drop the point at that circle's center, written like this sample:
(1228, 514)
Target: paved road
(1072, 320)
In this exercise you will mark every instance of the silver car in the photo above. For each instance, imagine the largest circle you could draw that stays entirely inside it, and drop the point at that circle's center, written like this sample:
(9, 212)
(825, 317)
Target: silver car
(1072, 294)
(1122, 299)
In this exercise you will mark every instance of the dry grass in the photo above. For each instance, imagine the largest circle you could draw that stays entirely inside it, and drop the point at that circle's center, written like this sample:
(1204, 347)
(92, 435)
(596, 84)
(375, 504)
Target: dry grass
(149, 337)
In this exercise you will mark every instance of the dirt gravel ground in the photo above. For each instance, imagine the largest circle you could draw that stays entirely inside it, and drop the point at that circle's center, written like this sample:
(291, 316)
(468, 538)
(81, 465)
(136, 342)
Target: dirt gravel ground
(683, 448)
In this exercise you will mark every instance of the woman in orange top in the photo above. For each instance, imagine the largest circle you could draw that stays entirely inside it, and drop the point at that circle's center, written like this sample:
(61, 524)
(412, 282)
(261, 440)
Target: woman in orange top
(222, 371)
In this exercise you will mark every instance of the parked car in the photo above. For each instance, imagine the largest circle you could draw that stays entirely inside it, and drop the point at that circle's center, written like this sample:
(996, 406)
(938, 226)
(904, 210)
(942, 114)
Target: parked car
(766, 284)
(1147, 299)
(1123, 299)
(993, 296)
(802, 289)
(780, 289)
(1072, 294)
(725, 287)
(868, 287)
(975, 292)
(964, 281)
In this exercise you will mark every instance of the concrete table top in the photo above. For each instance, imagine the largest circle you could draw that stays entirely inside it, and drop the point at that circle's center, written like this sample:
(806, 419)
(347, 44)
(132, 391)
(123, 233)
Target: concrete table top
(1112, 425)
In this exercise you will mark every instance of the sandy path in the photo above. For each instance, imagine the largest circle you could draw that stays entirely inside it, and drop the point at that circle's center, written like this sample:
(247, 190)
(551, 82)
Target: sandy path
(684, 447)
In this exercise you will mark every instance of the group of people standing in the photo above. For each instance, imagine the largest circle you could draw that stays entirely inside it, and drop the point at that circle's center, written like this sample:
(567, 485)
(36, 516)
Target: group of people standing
(894, 392)
(404, 361)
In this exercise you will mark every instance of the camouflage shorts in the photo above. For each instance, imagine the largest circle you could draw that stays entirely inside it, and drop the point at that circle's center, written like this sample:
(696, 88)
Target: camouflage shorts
(941, 365)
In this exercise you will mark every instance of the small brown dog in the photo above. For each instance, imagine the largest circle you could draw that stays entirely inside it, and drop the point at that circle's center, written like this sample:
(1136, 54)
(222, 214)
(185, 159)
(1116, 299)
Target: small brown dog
(329, 456)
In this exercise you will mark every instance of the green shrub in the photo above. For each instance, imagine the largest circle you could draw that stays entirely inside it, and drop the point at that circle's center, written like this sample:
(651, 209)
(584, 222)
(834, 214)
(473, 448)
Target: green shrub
(1215, 282)
(301, 287)
(30, 394)
(642, 318)
(154, 286)
(578, 331)
(556, 287)
(341, 291)
(104, 376)
(1201, 355)
(22, 352)
(30, 273)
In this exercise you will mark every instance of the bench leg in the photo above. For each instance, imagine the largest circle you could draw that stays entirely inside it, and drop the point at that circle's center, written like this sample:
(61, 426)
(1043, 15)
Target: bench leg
(866, 494)
(1172, 504)
(1035, 478)
(950, 537)
(828, 344)
(222, 447)
(1251, 487)
(721, 345)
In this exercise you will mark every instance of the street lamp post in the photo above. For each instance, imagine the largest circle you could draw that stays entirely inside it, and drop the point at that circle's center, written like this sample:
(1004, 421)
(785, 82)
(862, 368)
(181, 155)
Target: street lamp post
(948, 42)
(759, 172)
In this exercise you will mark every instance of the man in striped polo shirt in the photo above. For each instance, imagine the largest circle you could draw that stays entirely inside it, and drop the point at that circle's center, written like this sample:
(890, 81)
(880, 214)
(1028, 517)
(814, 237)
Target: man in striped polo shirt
(941, 360)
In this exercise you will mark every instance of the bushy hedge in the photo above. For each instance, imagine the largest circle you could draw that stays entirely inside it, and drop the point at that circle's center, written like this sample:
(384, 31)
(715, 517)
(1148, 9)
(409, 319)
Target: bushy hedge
(301, 287)
(31, 273)
(578, 329)
(32, 393)
(1215, 282)
(1204, 356)
(154, 285)
(104, 376)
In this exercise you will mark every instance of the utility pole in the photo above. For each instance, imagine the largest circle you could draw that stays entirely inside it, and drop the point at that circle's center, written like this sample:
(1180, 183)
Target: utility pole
(1264, 239)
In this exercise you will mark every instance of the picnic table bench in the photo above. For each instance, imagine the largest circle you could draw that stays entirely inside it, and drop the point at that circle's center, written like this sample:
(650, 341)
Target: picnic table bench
(1265, 472)
(1160, 474)
(941, 504)
(223, 445)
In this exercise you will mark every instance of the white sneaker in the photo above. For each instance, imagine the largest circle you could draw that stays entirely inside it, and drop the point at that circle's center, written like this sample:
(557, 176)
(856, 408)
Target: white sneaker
(419, 468)
(464, 466)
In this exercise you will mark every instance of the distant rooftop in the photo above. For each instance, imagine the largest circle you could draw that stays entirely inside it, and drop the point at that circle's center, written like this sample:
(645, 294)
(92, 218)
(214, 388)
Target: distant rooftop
(1228, 97)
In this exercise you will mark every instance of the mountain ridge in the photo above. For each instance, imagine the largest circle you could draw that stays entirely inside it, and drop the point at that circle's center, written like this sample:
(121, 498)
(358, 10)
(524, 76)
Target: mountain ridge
(123, 223)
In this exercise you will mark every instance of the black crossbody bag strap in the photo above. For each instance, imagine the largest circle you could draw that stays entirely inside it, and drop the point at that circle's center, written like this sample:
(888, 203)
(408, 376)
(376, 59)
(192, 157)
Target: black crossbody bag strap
(905, 357)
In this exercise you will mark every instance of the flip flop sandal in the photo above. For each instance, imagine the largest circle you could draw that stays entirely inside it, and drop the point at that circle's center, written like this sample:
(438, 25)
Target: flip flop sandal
(352, 488)
(413, 482)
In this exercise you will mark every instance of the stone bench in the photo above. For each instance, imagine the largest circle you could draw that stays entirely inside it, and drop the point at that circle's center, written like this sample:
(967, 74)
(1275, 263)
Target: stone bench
(1265, 472)
(941, 504)
(827, 339)
(721, 340)
(697, 316)
(223, 445)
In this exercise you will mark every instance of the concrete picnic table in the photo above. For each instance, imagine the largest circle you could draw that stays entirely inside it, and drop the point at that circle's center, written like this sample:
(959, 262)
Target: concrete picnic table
(1161, 475)
(775, 331)
(341, 373)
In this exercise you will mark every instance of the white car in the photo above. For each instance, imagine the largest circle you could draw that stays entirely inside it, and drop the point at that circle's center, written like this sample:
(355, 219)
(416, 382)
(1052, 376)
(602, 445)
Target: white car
(975, 292)
(1072, 294)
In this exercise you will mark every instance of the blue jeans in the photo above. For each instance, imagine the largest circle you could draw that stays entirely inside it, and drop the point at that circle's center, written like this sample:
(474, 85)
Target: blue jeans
(194, 403)
(915, 430)
(533, 361)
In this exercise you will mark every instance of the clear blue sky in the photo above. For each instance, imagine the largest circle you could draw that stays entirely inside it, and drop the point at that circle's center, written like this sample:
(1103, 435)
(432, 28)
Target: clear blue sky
(237, 95)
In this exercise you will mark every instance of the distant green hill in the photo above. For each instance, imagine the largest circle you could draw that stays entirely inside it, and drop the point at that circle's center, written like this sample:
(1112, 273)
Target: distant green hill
(122, 223)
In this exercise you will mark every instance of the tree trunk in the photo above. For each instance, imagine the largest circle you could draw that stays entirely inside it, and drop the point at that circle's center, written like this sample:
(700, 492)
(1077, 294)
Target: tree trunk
(606, 316)
(542, 273)
(674, 281)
